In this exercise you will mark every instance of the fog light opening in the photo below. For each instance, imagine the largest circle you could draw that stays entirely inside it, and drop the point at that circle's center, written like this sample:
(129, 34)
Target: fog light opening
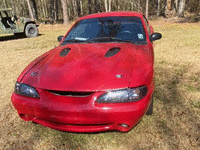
(24, 117)
(124, 125)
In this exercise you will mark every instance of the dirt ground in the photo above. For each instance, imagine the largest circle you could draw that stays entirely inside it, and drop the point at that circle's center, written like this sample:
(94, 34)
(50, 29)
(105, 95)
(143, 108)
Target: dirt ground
(175, 123)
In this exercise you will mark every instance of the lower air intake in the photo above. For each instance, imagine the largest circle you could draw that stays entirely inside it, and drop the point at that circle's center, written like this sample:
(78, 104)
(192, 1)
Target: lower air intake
(72, 94)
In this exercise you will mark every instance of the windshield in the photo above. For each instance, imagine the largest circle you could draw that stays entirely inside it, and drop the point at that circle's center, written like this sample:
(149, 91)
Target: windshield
(107, 29)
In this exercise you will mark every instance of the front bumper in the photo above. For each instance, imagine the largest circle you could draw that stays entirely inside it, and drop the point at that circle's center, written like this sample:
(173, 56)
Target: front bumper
(80, 114)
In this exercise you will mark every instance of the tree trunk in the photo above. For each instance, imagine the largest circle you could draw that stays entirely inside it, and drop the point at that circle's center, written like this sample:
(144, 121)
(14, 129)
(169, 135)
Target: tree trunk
(168, 9)
(78, 7)
(169, 5)
(34, 9)
(55, 10)
(138, 6)
(30, 9)
(89, 6)
(176, 6)
(118, 5)
(106, 5)
(181, 8)
(43, 9)
(97, 6)
(109, 5)
(51, 8)
(74, 4)
(147, 9)
(198, 8)
(81, 7)
(65, 15)
(158, 8)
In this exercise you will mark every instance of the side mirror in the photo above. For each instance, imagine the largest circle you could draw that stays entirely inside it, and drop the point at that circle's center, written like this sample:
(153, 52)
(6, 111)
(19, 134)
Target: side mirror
(156, 36)
(60, 38)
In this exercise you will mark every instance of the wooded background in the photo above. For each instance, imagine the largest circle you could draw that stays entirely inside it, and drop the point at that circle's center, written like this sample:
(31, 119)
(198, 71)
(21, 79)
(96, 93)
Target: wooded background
(65, 10)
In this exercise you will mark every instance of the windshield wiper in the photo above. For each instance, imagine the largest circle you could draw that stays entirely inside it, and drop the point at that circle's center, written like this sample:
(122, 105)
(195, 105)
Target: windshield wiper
(102, 39)
(77, 41)
(73, 40)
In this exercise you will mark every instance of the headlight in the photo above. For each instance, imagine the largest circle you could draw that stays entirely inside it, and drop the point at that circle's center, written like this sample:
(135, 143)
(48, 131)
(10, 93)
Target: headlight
(123, 96)
(26, 90)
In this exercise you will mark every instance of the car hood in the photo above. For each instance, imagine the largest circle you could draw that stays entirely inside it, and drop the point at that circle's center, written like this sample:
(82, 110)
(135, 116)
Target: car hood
(85, 68)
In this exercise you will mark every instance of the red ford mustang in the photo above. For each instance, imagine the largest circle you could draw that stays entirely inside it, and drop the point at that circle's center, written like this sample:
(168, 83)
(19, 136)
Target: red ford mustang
(100, 77)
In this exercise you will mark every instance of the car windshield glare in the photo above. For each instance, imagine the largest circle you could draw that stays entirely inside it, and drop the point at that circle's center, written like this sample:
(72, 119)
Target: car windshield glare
(106, 29)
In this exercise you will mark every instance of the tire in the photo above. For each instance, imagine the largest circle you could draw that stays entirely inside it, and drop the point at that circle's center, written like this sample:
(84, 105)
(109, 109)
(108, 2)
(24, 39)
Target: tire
(31, 30)
(150, 110)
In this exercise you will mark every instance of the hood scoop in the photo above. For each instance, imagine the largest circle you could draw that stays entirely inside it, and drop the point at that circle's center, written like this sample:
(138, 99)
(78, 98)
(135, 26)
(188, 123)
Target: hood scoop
(112, 52)
(64, 52)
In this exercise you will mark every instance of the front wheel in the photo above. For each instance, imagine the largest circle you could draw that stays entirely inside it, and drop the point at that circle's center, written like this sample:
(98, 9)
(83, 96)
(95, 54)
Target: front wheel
(31, 30)
(150, 110)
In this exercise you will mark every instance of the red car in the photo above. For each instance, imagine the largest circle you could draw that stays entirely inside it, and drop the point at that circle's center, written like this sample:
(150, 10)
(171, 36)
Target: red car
(100, 77)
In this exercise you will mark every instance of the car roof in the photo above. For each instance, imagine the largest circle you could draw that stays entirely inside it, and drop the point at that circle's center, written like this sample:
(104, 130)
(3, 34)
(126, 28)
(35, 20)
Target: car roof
(5, 9)
(114, 13)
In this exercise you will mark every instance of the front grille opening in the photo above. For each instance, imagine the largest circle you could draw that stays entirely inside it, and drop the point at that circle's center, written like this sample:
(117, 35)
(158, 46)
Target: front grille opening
(72, 94)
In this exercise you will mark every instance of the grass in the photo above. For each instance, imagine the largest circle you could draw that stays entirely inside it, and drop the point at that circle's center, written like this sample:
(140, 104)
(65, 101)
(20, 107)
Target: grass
(175, 123)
